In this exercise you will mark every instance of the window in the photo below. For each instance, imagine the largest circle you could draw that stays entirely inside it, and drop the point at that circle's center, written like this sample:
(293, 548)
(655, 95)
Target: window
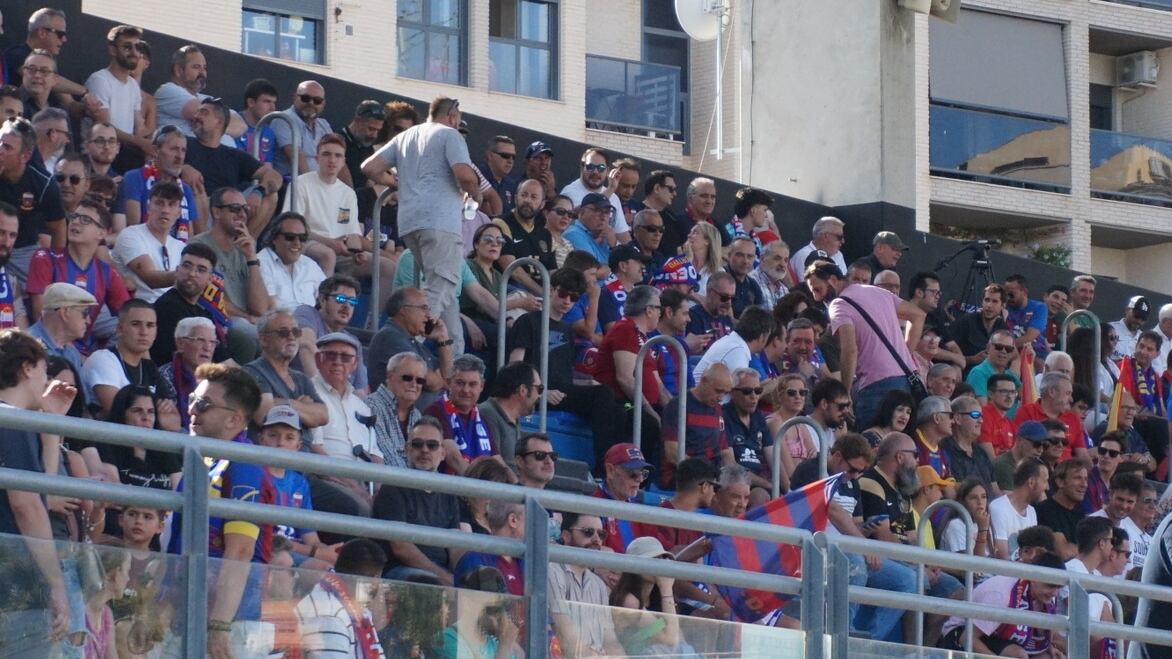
(286, 29)
(1102, 107)
(432, 44)
(522, 37)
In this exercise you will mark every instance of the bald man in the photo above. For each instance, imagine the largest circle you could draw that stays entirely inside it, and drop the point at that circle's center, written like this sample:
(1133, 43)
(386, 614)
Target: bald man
(309, 102)
(705, 436)
(526, 234)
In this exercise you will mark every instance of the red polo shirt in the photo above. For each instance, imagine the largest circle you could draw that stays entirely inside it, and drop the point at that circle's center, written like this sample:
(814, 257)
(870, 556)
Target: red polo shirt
(997, 429)
(1069, 418)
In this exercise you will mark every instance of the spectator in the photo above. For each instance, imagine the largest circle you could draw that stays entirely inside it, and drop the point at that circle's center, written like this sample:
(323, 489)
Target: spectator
(168, 164)
(1033, 542)
(801, 355)
(695, 486)
(1055, 443)
(1015, 511)
(705, 433)
(594, 179)
(309, 102)
(1001, 353)
(887, 248)
(895, 412)
(179, 99)
(486, 253)
(1130, 327)
(619, 349)
(591, 233)
(626, 182)
(146, 254)
(34, 193)
(46, 31)
(647, 593)
(538, 165)
(190, 298)
(24, 385)
(702, 249)
(11, 105)
(260, 98)
(713, 315)
(330, 617)
(1135, 448)
(53, 135)
(1126, 489)
(394, 405)
(535, 461)
(859, 272)
(515, 391)
(925, 293)
(500, 156)
(964, 458)
(747, 292)
(1143, 516)
(559, 213)
(943, 380)
(828, 237)
(408, 319)
(581, 629)
(290, 276)
(864, 354)
(736, 350)
(435, 509)
(1057, 305)
(73, 178)
(1062, 512)
(245, 297)
(336, 299)
(625, 471)
(12, 307)
(973, 331)
(505, 519)
(888, 280)
(997, 435)
(1054, 404)
(974, 497)
(749, 437)
(434, 169)
(772, 273)
(647, 226)
(1030, 441)
(128, 361)
(117, 92)
(102, 149)
(1025, 318)
(583, 316)
(1094, 549)
(937, 583)
(359, 136)
(732, 491)
(1109, 452)
(673, 322)
(280, 385)
(1163, 329)
(466, 434)
(195, 342)
(527, 232)
(700, 202)
(78, 264)
(65, 312)
(627, 263)
(752, 219)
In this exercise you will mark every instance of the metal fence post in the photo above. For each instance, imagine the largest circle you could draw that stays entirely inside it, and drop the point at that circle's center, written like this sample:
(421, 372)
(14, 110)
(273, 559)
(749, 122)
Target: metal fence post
(536, 578)
(1098, 347)
(837, 599)
(814, 598)
(926, 525)
(295, 134)
(682, 413)
(1078, 639)
(823, 449)
(375, 310)
(502, 294)
(195, 548)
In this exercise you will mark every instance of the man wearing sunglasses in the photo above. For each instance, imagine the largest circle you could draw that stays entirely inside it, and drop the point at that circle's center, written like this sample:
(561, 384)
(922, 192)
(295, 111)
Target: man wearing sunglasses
(309, 102)
(330, 312)
(46, 31)
(581, 630)
(594, 178)
(246, 297)
(706, 435)
(1108, 456)
(827, 236)
(178, 99)
(748, 434)
(964, 457)
(1001, 353)
(713, 315)
(500, 158)
(648, 228)
(191, 297)
(290, 276)
(360, 135)
(279, 384)
(33, 192)
(628, 264)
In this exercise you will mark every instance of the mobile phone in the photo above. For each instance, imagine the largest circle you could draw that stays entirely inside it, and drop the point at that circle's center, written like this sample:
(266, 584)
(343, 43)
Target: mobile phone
(429, 326)
(875, 520)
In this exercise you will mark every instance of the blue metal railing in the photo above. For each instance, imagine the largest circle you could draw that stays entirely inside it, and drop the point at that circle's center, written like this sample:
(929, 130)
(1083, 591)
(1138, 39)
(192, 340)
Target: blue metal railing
(635, 95)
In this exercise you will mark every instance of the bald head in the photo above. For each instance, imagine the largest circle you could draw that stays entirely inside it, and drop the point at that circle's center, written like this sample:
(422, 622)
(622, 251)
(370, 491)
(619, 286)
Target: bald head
(714, 385)
(309, 100)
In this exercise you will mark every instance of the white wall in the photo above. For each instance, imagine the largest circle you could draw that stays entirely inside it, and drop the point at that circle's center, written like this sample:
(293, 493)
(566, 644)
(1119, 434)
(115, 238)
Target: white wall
(1110, 262)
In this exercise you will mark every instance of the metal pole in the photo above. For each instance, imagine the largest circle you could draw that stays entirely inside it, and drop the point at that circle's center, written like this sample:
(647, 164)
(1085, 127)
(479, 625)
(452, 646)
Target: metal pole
(1117, 611)
(1078, 639)
(502, 302)
(837, 598)
(1152, 567)
(814, 598)
(296, 136)
(925, 524)
(823, 448)
(1098, 347)
(376, 260)
(194, 546)
(682, 413)
(536, 578)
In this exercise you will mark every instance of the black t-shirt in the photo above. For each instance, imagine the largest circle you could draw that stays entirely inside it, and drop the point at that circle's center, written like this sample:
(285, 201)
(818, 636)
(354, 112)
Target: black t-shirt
(1059, 520)
(146, 374)
(223, 166)
(172, 308)
(969, 333)
(434, 509)
(19, 449)
(748, 443)
(847, 494)
(356, 153)
(747, 292)
(675, 233)
(976, 463)
(880, 498)
(38, 203)
(937, 321)
(536, 243)
(526, 333)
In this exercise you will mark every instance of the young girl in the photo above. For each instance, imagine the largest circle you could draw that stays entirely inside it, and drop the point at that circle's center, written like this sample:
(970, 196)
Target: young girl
(99, 619)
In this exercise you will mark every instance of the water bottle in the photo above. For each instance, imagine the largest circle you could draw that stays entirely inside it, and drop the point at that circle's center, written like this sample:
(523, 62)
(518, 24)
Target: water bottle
(470, 208)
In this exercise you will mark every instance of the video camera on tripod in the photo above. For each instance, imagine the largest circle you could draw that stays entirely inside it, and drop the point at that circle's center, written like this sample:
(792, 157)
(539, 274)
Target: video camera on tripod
(980, 274)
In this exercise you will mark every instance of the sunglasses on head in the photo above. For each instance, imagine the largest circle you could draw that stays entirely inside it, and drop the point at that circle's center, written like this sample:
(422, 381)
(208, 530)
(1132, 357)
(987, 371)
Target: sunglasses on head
(294, 237)
(344, 299)
(1109, 452)
(307, 98)
(540, 456)
(411, 378)
(429, 444)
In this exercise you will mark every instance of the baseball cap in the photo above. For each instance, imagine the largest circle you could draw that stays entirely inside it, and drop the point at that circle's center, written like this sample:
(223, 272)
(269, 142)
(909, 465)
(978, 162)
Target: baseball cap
(1139, 306)
(928, 476)
(370, 109)
(625, 455)
(61, 295)
(676, 270)
(339, 337)
(1033, 431)
(817, 255)
(537, 148)
(648, 547)
(282, 414)
(625, 252)
(891, 239)
(595, 199)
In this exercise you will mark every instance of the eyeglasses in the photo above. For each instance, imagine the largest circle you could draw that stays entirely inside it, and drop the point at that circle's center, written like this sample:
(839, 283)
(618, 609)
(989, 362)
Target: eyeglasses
(796, 392)
(572, 296)
(838, 236)
(539, 387)
(307, 98)
(652, 228)
(1056, 441)
(725, 298)
(598, 169)
(429, 444)
(972, 414)
(1005, 392)
(841, 406)
(233, 208)
(1109, 452)
(506, 156)
(540, 456)
(561, 212)
(932, 291)
(1002, 348)
(74, 179)
(493, 240)
(1125, 553)
(335, 356)
(1148, 500)
(61, 34)
(285, 332)
(294, 237)
(343, 299)
(636, 474)
(199, 405)
(422, 307)
(104, 141)
(588, 532)
(749, 391)
(82, 219)
(37, 70)
(199, 340)
(411, 378)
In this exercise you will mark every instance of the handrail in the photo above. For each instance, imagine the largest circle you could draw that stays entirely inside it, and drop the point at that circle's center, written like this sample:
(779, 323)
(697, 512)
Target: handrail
(823, 449)
(374, 309)
(296, 136)
(1148, 576)
(1098, 348)
(682, 413)
(501, 326)
(926, 524)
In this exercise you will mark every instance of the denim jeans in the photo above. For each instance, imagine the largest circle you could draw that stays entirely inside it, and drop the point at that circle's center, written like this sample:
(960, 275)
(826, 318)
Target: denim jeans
(883, 623)
(866, 401)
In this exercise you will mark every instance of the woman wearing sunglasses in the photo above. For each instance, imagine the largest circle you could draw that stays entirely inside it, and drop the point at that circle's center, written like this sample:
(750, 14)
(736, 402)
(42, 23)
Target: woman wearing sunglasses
(559, 213)
(788, 399)
(487, 244)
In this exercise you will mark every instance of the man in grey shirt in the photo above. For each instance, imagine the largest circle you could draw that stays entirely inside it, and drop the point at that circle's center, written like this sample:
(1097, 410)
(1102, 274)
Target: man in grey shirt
(516, 390)
(435, 176)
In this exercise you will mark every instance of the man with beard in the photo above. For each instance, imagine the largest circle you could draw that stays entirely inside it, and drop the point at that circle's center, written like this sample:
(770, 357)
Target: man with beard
(594, 179)
(102, 148)
(359, 136)
(118, 92)
(499, 158)
(186, 300)
(33, 191)
(290, 276)
(581, 630)
(1015, 510)
(539, 167)
(1025, 318)
(12, 311)
(178, 100)
(167, 165)
(526, 235)
(1063, 511)
(280, 385)
(772, 273)
(330, 313)
(129, 362)
(309, 101)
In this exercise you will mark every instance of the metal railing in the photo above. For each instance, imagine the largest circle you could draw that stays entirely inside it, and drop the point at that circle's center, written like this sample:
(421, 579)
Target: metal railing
(375, 309)
(926, 525)
(502, 326)
(1150, 571)
(296, 137)
(1098, 347)
(817, 593)
(823, 448)
(633, 95)
(682, 412)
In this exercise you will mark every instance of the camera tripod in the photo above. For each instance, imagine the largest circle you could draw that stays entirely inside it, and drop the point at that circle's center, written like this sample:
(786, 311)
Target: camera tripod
(980, 274)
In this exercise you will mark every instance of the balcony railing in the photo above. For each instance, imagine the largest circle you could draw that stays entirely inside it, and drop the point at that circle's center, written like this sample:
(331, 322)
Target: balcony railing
(1151, 4)
(633, 96)
(1000, 148)
(1132, 168)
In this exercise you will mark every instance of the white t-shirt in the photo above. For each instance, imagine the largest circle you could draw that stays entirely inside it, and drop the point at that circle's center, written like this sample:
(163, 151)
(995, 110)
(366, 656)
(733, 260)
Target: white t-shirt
(123, 99)
(331, 209)
(576, 190)
(169, 101)
(1006, 521)
(343, 431)
(798, 260)
(103, 368)
(290, 289)
(326, 626)
(730, 350)
(133, 242)
(1095, 601)
(1140, 540)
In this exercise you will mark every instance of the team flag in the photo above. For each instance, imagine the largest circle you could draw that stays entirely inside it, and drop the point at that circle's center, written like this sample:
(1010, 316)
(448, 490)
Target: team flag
(1025, 373)
(1126, 382)
(803, 509)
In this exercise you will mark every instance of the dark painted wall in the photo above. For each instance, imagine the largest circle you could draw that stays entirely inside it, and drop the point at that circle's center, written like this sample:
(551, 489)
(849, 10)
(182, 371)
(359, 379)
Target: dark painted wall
(229, 71)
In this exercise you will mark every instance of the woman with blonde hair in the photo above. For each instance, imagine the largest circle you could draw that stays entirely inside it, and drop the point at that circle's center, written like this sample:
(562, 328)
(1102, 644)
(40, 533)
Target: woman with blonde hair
(703, 249)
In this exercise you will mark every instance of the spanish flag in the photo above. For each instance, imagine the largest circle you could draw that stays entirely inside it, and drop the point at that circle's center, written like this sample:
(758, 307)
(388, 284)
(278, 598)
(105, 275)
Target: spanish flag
(1126, 382)
(1025, 373)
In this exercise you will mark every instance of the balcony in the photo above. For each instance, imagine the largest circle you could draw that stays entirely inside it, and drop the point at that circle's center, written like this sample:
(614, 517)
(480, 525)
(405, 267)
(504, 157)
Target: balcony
(1131, 168)
(994, 147)
(633, 97)
(1150, 4)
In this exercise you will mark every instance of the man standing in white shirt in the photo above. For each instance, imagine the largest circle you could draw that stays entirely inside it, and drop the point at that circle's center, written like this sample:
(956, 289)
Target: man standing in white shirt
(828, 237)
(179, 99)
(1014, 511)
(1164, 327)
(118, 91)
(290, 276)
(147, 254)
(594, 178)
(735, 350)
(1126, 489)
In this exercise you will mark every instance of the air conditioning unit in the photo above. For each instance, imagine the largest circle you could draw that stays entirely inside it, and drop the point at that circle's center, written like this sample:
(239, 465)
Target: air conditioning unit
(1136, 69)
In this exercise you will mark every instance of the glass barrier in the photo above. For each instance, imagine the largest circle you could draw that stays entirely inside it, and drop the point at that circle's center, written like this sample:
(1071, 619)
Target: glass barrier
(858, 647)
(128, 600)
(637, 95)
(1152, 4)
(1131, 167)
(998, 148)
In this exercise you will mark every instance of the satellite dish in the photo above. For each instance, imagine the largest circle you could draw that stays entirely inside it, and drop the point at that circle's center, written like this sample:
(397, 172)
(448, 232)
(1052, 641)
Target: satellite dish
(701, 19)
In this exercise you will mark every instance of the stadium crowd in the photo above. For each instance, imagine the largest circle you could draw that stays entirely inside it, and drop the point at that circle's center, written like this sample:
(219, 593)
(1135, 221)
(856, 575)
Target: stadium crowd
(154, 274)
